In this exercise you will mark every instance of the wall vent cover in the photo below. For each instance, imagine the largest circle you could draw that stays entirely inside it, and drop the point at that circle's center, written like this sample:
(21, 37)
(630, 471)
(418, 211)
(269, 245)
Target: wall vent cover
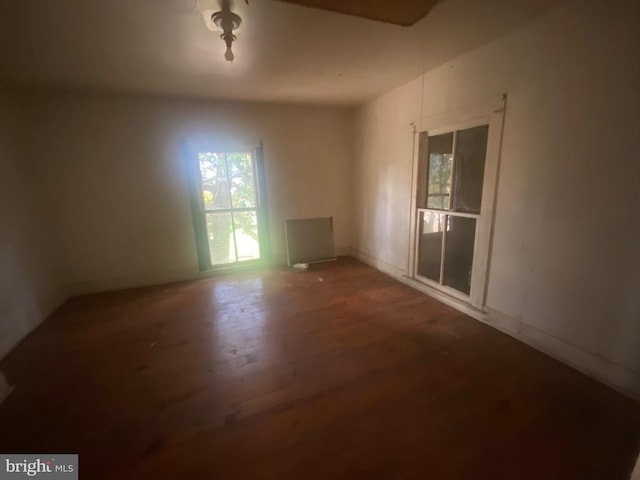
(309, 240)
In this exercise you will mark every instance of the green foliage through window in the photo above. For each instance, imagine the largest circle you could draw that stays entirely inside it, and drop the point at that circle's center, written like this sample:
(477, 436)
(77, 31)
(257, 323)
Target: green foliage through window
(229, 200)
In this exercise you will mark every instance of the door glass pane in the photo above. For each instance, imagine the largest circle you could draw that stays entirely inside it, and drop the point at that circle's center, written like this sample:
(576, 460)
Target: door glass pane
(243, 193)
(215, 187)
(246, 231)
(220, 237)
(439, 177)
(458, 253)
(430, 245)
(471, 149)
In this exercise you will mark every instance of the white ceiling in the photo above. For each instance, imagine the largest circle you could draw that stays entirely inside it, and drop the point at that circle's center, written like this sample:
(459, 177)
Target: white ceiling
(284, 52)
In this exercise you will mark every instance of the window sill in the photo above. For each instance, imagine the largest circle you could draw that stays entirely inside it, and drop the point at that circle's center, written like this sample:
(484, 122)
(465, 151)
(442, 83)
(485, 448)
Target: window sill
(235, 267)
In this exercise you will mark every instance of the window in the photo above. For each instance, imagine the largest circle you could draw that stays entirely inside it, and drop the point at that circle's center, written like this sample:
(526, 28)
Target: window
(453, 209)
(230, 209)
(439, 177)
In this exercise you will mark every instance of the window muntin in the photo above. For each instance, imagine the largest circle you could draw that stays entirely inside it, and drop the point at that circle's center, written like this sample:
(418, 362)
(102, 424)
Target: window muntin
(228, 199)
(451, 197)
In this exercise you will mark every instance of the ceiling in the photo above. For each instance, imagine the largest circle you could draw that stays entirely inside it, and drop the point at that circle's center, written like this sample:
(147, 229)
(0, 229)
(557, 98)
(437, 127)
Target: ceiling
(284, 52)
(405, 13)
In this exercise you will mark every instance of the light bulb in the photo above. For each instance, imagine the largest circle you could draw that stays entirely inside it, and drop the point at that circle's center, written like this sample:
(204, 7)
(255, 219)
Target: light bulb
(228, 55)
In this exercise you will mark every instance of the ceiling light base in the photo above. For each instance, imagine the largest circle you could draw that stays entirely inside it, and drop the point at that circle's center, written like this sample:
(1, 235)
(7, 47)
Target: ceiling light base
(227, 21)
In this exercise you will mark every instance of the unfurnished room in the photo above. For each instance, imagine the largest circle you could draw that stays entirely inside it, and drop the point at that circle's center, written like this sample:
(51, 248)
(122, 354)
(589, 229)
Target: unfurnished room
(320, 239)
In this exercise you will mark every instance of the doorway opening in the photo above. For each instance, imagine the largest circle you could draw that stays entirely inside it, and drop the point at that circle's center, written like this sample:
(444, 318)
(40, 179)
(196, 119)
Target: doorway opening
(447, 223)
(455, 178)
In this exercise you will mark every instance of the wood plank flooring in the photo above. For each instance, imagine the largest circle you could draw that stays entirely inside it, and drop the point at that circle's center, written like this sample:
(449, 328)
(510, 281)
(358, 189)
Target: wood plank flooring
(338, 372)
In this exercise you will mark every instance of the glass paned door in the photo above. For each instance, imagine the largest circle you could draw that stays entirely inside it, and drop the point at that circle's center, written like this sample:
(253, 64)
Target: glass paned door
(451, 197)
(230, 205)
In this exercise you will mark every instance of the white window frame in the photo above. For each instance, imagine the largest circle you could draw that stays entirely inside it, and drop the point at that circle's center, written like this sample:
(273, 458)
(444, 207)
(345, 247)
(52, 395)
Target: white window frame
(232, 210)
(490, 113)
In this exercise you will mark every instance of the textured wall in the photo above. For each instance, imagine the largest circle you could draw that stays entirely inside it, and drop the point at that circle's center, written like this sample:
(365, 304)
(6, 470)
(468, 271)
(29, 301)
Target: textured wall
(565, 261)
(116, 188)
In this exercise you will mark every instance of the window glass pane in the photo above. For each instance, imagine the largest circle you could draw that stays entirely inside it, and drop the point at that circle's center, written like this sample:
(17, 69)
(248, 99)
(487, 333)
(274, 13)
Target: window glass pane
(458, 253)
(242, 185)
(215, 188)
(430, 245)
(439, 177)
(471, 149)
(246, 230)
(220, 237)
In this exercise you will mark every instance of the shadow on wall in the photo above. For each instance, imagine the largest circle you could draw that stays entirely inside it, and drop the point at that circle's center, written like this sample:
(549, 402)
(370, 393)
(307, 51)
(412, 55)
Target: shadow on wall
(5, 388)
(455, 27)
(625, 332)
(19, 309)
(636, 471)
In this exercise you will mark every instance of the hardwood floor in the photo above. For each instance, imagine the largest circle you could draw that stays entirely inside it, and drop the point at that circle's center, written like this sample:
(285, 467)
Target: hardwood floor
(338, 372)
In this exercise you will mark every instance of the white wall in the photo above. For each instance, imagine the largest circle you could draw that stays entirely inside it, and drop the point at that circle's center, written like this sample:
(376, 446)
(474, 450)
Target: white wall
(116, 188)
(565, 268)
(29, 283)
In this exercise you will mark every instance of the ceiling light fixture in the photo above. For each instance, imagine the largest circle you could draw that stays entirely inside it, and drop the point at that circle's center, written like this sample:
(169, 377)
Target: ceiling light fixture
(227, 21)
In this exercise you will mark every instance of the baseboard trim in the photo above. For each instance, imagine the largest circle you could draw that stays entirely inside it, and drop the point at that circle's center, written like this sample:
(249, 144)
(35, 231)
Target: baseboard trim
(155, 278)
(605, 371)
(134, 281)
(5, 388)
(10, 339)
(30, 321)
(384, 267)
(609, 373)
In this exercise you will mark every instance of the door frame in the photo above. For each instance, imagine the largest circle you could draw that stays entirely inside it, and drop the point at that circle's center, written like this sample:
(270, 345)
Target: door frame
(489, 113)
